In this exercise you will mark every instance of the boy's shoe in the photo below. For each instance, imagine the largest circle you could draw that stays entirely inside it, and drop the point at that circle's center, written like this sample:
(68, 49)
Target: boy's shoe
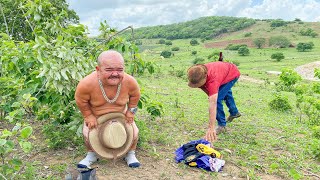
(230, 118)
(220, 129)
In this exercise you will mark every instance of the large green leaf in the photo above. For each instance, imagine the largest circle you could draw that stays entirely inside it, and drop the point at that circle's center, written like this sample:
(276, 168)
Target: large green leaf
(25, 146)
(26, 132)
(3, 142)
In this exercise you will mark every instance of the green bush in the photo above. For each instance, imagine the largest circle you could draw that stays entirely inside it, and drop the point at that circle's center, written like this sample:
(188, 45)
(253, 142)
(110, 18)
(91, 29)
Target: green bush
(161, 41)
(316, 132)
(175, 49)
(289, 77)
(214, 55)
(278, 23)
(308, 32)
(280, 103)
(301, 47)
(277, 56)
(194, 52)
(279, 41)
(314, 149)
(144, 133)
(317, 72)
(194, 42)
(243, 51)
(259, 42)
(248, 34)
(168, 43)
(235, 47)
(198, 60)
(166, 54)
(60, 136)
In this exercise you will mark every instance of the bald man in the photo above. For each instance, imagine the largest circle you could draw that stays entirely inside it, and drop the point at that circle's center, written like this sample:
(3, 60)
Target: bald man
(108, 89)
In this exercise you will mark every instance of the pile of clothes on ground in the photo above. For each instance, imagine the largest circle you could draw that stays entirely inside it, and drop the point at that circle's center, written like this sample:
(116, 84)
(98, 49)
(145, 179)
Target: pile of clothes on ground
(200, 154)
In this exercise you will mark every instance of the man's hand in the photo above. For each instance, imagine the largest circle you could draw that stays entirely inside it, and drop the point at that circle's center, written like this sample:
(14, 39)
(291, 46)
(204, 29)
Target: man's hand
(129, 117)
(211, 135)
(91, 121)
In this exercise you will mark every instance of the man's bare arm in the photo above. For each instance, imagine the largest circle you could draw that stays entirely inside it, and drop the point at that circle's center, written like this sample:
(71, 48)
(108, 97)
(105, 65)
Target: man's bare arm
(82, 97)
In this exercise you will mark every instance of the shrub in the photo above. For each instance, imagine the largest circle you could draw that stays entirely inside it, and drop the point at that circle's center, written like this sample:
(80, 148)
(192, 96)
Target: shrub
(197, 60)
(175, 49)
(278, 23)
(277, 56)
(243, 51)
(316, 132)
(301, 47)
(280, 103)
(248, 34)
(317, 72)
(235, 47)
(259, 42)
(194, 42)
(214, 55)
(168, 43)
(166, 54)
(194, 52)
(308, 32)
(314, 149)
(161, 41)
(289, 77)
(279, 41)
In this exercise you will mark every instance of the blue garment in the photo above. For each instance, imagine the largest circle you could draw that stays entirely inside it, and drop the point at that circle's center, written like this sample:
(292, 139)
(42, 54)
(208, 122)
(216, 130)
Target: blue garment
(179, 152)
(225, 94)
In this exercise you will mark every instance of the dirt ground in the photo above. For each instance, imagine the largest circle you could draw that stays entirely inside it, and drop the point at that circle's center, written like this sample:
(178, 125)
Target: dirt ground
(307, 71)
(223, 44)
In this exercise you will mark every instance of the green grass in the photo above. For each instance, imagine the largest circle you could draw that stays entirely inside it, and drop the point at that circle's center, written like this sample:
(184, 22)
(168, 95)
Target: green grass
(262, 141)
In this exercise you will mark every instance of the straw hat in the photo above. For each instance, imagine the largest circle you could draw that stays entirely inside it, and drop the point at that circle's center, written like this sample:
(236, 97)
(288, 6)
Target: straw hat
(197, 75)
(113, 137)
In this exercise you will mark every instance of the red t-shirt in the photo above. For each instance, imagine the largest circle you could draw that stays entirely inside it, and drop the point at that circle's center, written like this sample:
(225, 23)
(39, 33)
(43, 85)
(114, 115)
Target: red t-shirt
(219, 73)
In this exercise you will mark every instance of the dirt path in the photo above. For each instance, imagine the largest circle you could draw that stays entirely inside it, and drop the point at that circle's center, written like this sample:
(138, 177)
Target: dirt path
(306, 71)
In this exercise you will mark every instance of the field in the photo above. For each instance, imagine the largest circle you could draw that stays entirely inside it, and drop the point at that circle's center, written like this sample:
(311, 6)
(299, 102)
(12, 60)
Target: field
(262, 144)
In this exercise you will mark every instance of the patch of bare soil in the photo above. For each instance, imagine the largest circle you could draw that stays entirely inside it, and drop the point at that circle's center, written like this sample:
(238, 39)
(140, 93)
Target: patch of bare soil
(224, 44)
(306, 71)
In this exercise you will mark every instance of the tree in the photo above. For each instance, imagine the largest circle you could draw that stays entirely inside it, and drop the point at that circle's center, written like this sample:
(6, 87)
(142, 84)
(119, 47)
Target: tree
(279, 41)
(259, 42)
(243, 51)
(17, 21)
(277, 56)
(301, 47)
(194, 42)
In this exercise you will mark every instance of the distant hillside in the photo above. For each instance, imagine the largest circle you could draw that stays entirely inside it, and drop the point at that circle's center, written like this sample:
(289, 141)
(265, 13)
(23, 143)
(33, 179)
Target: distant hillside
(204, 28)
(294, 31)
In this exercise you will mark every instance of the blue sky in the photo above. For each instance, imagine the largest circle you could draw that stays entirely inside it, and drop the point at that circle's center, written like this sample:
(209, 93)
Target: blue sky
(138, 13)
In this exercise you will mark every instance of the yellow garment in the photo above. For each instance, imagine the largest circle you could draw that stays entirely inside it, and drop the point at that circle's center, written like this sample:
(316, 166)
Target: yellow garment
(193, 164)
(204, 149)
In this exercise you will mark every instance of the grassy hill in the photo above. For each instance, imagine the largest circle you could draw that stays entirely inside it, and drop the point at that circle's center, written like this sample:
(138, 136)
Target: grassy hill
(265, 143)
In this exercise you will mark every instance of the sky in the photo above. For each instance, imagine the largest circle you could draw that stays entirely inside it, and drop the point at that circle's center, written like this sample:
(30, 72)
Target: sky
(120, 14)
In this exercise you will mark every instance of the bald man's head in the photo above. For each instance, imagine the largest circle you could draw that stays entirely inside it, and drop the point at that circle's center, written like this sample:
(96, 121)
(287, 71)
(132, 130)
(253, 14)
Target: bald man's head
(110, 55)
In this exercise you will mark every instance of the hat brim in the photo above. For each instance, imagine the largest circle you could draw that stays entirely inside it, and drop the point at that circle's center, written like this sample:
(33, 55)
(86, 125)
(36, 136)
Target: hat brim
(105, 152)
(199, 84)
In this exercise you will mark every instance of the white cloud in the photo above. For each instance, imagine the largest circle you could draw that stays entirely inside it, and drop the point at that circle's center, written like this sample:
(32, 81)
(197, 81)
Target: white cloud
(122, 13)
(285, 9)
